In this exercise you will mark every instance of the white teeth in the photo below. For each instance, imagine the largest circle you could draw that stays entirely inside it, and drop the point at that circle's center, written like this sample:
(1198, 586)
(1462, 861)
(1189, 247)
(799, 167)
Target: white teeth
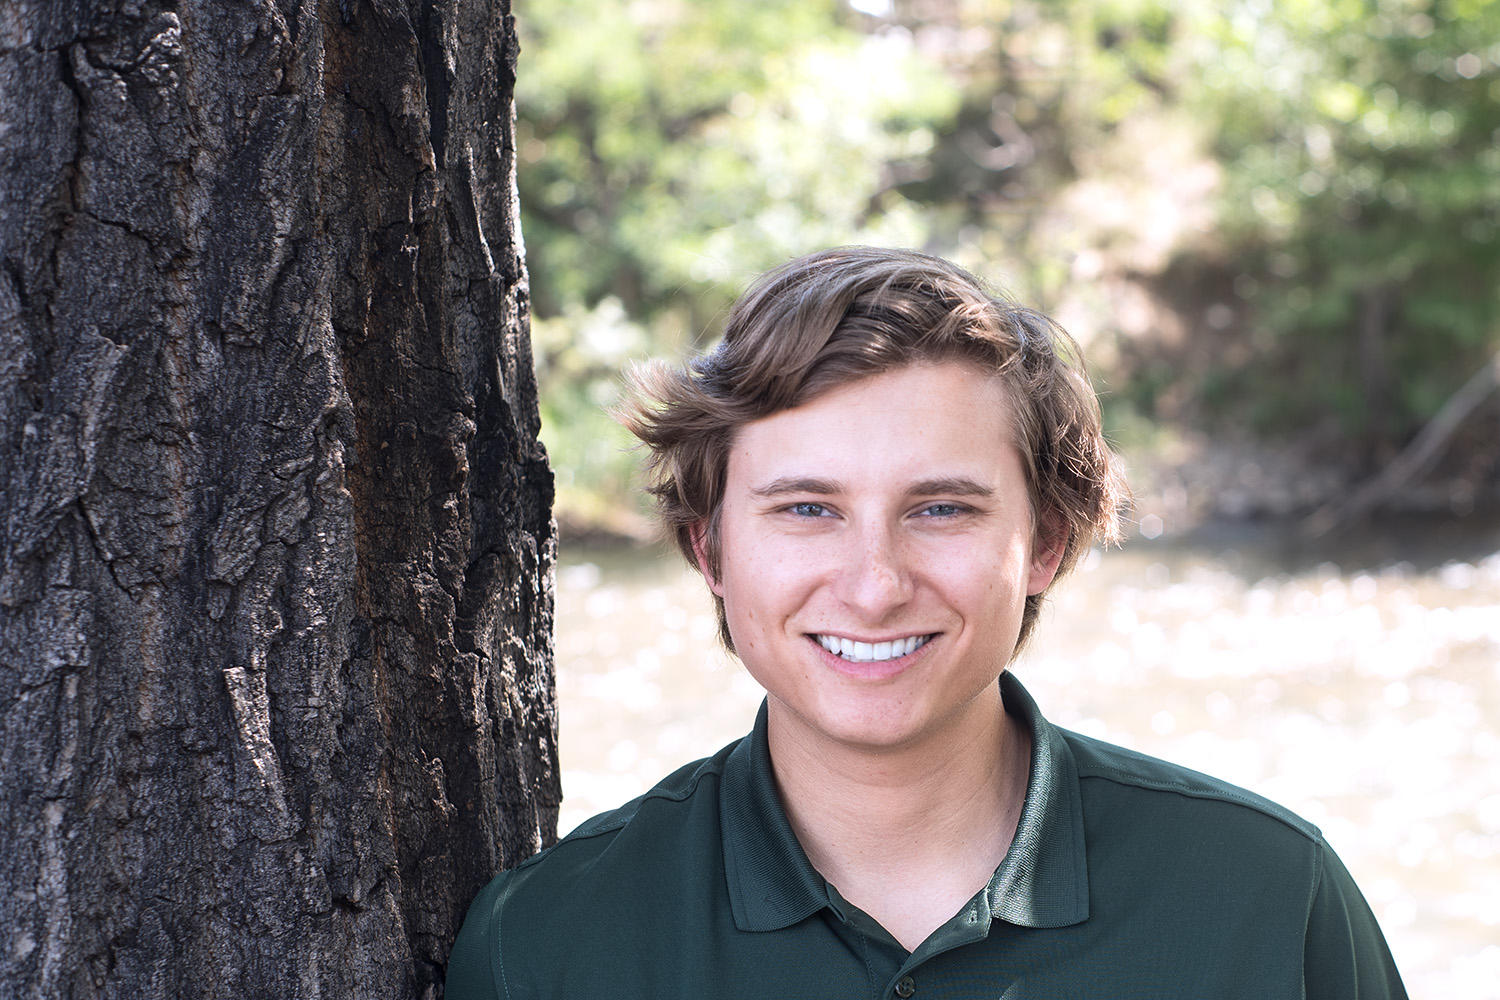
(871, 652)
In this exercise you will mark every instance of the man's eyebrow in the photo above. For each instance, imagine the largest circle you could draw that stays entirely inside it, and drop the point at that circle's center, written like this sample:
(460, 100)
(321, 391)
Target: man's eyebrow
(955, 486)
(796, 484)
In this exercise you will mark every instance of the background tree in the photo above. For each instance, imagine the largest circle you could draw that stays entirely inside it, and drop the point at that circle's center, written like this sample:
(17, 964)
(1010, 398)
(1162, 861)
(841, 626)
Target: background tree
(668, 152)
(275, 668)
(1361, 209)
(1274, 222)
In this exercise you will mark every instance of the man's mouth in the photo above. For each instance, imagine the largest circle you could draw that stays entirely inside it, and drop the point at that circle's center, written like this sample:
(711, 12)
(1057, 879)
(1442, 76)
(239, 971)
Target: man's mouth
(871, 652)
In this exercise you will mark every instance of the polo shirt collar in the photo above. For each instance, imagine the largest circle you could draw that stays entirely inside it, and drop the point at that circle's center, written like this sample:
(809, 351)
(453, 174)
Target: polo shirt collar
(771, 882)
(1042, 882)
(1044, 879)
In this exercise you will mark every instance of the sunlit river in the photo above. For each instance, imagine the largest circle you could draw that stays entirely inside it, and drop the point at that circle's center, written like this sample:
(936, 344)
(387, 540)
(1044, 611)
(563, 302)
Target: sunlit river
(1358, 684)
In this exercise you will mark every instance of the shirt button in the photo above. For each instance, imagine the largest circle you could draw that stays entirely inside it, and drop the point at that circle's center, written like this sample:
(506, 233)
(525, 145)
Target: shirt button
(905, 987)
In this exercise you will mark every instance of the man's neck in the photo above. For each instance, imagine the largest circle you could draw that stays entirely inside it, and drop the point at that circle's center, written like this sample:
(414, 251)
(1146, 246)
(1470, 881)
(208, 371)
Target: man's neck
(907, 834)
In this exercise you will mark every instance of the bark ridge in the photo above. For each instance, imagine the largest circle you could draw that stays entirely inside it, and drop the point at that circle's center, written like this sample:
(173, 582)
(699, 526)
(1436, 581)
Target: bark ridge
(276, 687)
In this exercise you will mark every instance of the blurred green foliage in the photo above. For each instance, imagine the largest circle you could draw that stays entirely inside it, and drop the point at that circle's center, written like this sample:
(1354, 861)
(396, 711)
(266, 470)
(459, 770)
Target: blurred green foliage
(1361, 204)
(1311, 187)
(670, 151)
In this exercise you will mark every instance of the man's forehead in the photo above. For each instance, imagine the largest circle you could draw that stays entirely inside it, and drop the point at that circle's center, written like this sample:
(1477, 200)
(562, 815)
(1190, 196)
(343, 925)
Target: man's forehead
(843, 400)
(928, 429)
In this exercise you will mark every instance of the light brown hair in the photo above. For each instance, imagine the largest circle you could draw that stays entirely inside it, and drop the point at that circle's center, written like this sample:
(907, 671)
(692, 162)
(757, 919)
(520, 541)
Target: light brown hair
(836, 316)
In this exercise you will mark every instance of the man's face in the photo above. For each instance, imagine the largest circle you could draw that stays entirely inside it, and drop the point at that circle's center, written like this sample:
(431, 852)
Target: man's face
(876, 550)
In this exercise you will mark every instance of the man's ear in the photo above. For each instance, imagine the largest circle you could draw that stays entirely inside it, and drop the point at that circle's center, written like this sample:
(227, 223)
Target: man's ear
(699, 531)
(1047, 550)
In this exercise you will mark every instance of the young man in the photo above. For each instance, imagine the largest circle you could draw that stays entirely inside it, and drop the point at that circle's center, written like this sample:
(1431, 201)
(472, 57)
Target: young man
(880, 472)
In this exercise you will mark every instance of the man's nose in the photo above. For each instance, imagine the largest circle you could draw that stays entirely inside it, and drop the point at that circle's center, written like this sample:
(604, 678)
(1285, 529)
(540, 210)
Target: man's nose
(877, 579)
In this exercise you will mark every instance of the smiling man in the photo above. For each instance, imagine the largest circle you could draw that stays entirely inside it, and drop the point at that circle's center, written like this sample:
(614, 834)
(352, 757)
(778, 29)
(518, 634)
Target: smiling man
(880, 472)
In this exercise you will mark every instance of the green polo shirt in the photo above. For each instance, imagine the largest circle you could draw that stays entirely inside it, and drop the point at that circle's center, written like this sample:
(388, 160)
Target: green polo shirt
(1128, 877)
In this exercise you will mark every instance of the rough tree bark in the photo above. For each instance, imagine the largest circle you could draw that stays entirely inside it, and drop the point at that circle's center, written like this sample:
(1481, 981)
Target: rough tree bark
(275, 668)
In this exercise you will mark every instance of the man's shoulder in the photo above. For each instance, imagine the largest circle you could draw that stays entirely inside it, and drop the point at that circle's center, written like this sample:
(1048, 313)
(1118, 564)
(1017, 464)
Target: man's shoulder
(1135, 772)
(682, 785)
(586, 894)
(663, 827)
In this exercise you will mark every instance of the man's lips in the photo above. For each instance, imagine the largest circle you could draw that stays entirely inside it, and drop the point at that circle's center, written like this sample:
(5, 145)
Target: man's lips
(871, 652)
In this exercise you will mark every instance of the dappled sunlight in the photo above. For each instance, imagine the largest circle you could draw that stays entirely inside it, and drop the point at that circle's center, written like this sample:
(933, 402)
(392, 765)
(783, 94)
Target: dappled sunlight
(641, 678)
(1366, 703)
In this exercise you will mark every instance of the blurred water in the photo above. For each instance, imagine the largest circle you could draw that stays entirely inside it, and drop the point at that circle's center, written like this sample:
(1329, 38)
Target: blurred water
(1356, 682)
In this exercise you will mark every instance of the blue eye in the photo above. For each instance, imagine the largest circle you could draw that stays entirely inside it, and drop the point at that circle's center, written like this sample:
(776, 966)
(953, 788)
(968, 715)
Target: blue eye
(942, 510)
(808, 510)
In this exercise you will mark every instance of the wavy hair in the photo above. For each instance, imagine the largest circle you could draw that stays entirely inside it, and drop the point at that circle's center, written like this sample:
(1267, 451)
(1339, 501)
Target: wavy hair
(840, 315)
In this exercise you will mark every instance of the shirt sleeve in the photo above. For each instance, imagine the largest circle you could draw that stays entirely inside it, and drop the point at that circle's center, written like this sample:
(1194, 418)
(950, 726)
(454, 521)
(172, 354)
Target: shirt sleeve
(1345, 956)
(473, 964)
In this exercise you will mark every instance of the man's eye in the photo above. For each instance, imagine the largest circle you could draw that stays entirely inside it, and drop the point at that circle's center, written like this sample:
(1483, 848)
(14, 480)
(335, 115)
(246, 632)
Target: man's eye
(808, 510)
(942, 510)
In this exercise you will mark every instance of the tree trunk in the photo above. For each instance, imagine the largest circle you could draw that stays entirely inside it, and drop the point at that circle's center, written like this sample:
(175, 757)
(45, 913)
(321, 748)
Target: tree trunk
(275, 670)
